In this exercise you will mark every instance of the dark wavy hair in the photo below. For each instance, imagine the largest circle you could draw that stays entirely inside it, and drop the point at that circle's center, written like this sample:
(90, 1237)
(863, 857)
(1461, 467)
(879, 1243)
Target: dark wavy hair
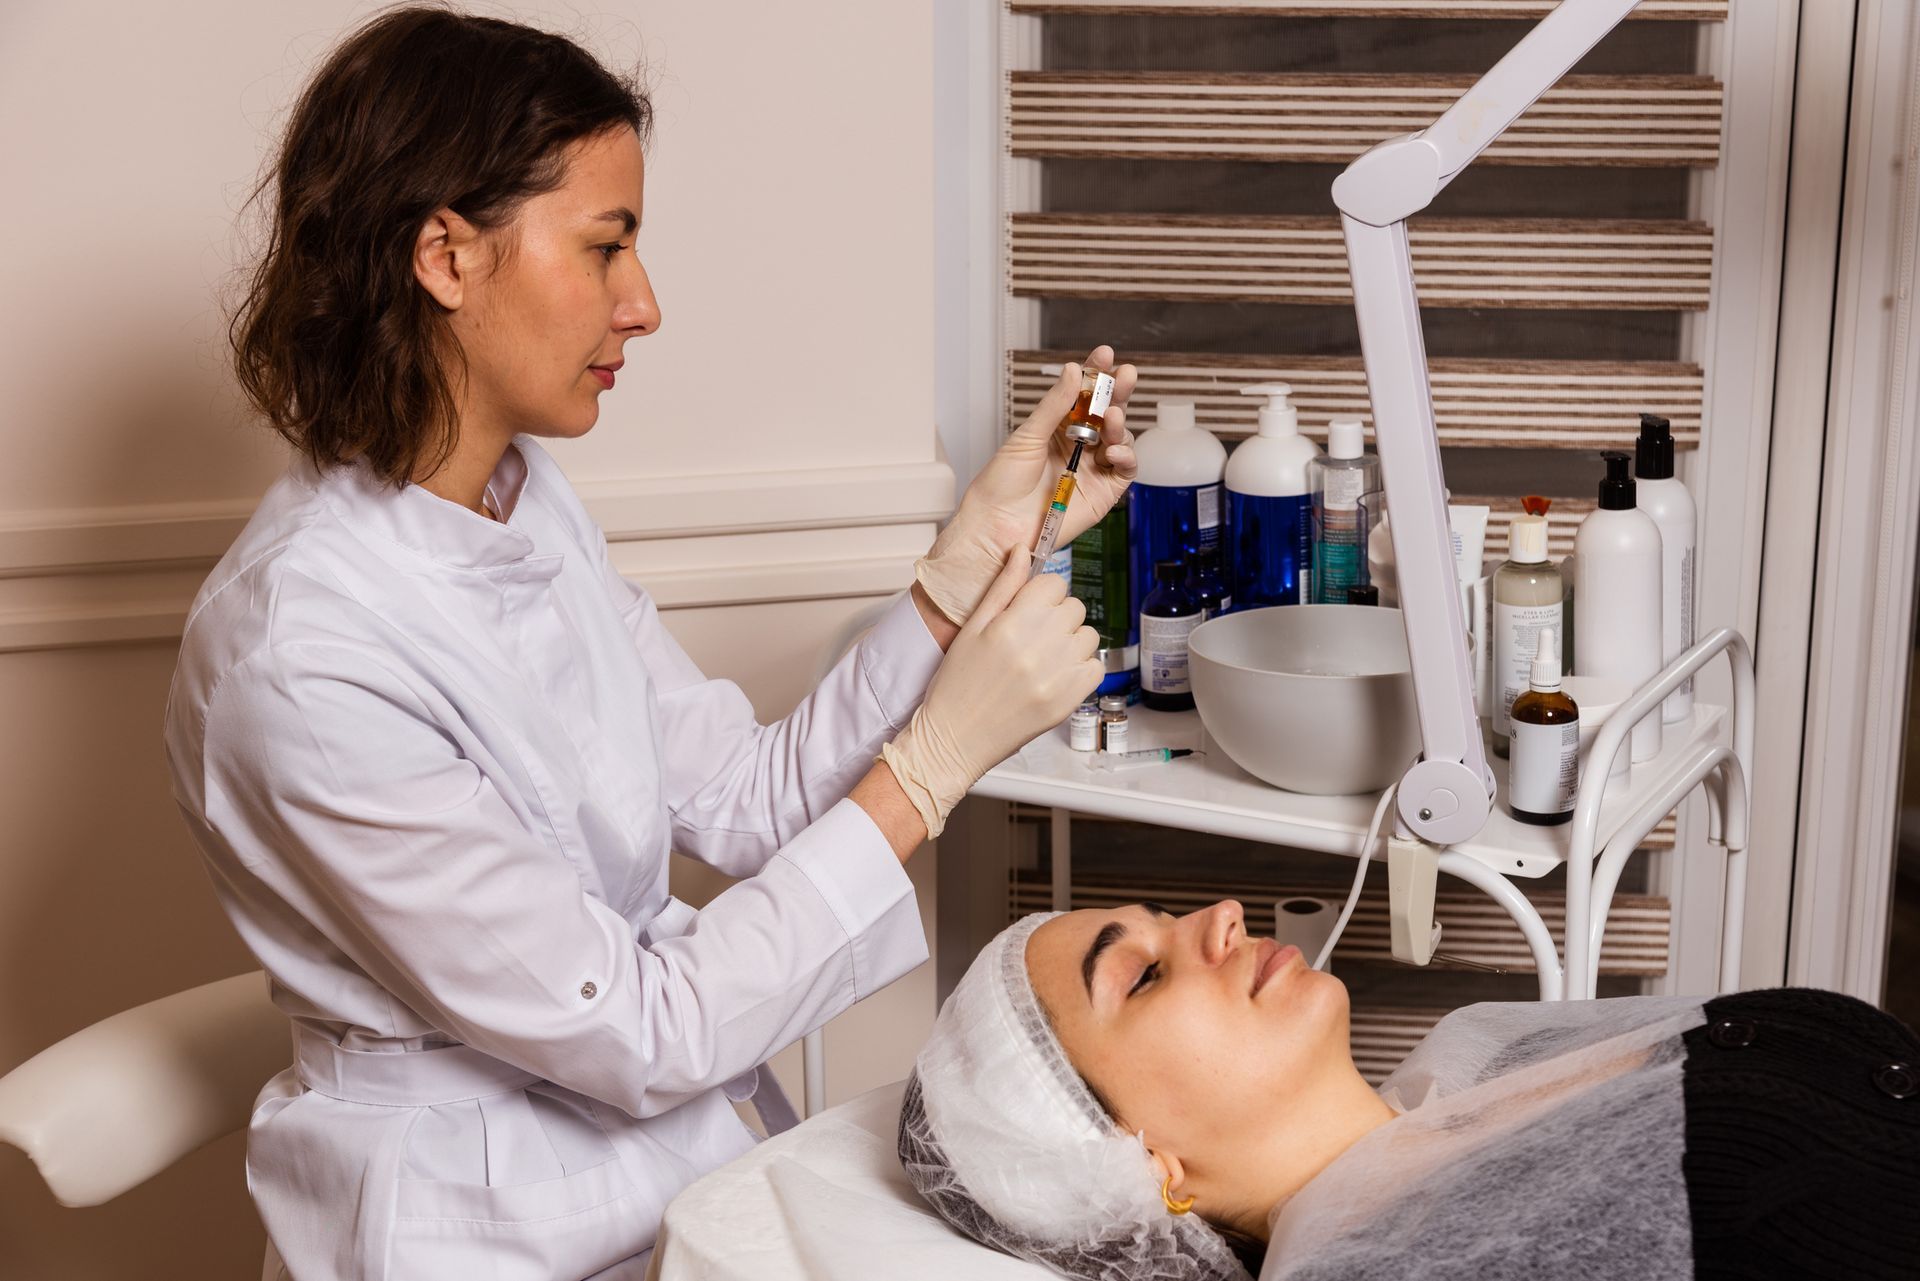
(423, 108)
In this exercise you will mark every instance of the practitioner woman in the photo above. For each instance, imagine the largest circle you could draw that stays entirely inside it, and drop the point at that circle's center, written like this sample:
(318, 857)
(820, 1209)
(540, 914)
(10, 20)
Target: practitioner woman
(436, 750)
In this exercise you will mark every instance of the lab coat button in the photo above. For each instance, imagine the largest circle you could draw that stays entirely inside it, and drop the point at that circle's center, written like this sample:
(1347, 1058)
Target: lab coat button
(1897, 1080)
(588, 991)
(1732, 1034)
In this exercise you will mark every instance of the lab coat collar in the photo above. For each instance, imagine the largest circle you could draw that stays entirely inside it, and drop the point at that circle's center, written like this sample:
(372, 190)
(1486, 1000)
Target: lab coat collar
(439, 529)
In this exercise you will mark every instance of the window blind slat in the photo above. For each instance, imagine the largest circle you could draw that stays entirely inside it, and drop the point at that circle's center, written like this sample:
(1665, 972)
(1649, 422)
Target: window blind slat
(1637, 121)
(1480, 404)
(1649, 265)
(1670, 10)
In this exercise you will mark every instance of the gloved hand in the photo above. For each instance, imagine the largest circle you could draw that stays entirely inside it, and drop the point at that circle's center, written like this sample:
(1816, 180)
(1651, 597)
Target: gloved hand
(1003, 507)
(1019, 666)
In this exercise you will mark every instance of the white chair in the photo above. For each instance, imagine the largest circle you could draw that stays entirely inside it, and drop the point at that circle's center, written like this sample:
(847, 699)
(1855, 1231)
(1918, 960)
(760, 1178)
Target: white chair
(118, 1102)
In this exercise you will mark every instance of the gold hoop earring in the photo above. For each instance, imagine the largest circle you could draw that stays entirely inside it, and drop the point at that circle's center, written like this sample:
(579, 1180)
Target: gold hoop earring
(1173, 1206)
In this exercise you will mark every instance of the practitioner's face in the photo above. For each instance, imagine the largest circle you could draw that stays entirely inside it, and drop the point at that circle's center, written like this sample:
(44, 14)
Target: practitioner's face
(548, 302)
(1191, 1031)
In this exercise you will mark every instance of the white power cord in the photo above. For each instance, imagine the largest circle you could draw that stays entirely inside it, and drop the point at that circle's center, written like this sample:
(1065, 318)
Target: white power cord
(1367, 843)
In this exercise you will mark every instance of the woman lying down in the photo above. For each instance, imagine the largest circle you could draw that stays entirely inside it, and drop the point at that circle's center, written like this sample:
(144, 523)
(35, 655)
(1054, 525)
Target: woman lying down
(1129, 1094)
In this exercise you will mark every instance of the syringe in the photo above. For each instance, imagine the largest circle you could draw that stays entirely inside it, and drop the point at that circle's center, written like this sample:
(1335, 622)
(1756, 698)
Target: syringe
(1082, 427)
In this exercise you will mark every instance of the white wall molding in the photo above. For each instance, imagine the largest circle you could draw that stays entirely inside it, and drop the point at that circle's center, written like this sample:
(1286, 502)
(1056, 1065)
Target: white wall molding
(83, 540)
(116, 575)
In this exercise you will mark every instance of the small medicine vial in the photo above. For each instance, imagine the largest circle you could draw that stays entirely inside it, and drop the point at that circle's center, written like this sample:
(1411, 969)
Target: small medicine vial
(1089, 412)
(1113, 723)
(1083, 728)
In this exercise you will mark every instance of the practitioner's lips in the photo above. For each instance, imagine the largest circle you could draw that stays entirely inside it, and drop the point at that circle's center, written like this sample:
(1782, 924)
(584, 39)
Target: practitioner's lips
(1268, 958)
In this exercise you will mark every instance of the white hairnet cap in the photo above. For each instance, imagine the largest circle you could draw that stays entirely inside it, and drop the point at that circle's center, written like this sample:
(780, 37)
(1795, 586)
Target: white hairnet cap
(1003, 1138)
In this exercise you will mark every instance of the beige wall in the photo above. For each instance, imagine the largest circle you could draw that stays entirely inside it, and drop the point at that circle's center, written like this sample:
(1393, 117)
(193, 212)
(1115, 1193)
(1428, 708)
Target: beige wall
(767, 465)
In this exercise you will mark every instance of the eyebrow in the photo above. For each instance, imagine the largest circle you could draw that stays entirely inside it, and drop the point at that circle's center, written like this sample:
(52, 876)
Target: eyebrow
(622, 215)
(1112, 932)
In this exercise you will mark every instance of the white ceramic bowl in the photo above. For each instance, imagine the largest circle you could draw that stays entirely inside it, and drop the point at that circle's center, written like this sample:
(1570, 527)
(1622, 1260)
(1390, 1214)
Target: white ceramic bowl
(1312, 698)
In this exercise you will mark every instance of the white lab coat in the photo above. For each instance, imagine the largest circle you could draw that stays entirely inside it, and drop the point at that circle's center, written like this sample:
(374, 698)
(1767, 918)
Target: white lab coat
(436, 764)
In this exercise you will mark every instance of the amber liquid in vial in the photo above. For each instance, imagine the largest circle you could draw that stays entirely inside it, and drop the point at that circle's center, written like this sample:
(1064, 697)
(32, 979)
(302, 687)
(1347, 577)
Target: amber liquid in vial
(1083, 411)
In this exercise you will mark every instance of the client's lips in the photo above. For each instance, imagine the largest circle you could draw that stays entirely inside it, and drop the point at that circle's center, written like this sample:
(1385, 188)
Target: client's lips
(1268, 958)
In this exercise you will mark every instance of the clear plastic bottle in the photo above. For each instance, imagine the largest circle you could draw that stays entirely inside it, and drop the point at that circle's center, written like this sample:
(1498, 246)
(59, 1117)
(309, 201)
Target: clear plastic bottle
(1167, 617)
(1346, 506)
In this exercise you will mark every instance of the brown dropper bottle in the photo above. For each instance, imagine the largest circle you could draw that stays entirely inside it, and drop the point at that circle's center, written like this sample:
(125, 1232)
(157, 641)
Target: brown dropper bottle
(1543, 766)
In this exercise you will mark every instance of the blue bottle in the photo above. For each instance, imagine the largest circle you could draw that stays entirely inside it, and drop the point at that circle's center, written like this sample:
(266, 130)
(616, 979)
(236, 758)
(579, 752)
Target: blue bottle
(1208, 586)
(1167, 617)
(1174, 507)
(1270, 506)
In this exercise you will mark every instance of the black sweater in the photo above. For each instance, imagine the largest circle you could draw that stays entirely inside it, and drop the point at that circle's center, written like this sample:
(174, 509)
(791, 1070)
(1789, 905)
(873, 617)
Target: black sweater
(1803, 1139)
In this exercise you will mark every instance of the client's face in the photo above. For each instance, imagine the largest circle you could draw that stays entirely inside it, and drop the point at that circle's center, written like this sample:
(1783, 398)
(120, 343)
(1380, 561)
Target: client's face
(1190, 1030)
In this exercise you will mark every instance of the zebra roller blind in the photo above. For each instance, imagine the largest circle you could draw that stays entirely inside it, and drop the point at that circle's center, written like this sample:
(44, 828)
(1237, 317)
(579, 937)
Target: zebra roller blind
(1168, 193)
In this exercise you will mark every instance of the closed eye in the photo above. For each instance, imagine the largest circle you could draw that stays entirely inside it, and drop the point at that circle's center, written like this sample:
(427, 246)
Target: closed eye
(609, 250)
(1147, 976)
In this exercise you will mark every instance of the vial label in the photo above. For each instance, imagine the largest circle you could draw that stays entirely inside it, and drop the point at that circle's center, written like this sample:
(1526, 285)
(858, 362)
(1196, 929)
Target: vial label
(1163, 653)
(1543, 769)
(1516, 638)
(1207, 499)
(1060, 563)
(1115, 738)
(1083, 730)
(1102, 396)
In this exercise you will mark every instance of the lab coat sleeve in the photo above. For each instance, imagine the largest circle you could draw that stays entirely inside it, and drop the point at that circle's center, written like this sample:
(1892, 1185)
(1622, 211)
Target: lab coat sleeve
(738, 790)
(354, 793)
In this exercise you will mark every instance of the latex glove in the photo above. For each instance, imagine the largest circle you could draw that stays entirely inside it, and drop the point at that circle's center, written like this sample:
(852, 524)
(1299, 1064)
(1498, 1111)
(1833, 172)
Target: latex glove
(1004, 506)
(1019, 666)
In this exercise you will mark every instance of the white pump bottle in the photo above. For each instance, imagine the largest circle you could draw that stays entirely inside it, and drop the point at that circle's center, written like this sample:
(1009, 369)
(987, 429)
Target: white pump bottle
(1270, 504)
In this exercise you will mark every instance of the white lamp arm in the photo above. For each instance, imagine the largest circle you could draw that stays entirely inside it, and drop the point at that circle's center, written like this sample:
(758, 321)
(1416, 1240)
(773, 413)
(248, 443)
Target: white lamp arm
(1445, 797)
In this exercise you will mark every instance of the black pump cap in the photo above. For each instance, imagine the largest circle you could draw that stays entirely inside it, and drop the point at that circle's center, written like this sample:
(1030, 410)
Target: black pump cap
(1617, 492)
(1363, 594)
(1654, 451)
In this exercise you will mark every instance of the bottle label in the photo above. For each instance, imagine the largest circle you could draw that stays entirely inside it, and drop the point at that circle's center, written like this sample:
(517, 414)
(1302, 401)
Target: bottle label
(1207, 499)
(1163, 653)
(1516, 639)
(1114, 737)
(1344, 485)
(1543, 769)
(1102, 396)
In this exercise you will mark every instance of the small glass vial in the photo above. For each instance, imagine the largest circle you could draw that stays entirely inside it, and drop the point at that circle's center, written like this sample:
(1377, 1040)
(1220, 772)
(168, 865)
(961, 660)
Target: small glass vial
(1089, 413)
(1113, 723)
(1083, 728)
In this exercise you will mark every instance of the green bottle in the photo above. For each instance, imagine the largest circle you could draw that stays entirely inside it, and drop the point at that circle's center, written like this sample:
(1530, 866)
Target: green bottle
(1100, 581)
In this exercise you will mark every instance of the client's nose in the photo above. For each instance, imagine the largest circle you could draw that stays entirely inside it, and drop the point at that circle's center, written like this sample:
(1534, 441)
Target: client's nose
(1223, 928)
